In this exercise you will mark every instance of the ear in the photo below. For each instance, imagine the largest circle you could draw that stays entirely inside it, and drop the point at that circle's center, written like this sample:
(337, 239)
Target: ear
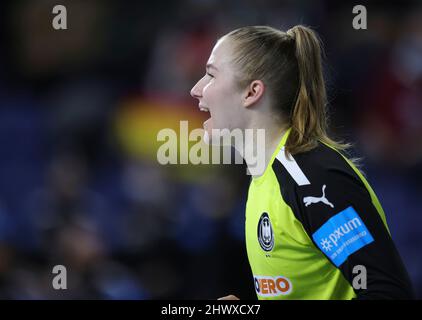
(253, 93)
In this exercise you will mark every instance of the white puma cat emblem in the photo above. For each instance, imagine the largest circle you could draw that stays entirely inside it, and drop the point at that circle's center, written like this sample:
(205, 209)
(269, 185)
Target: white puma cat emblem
(309, 200)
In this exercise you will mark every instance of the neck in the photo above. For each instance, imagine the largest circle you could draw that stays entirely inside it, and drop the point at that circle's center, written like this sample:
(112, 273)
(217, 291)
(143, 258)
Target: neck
(260, 145)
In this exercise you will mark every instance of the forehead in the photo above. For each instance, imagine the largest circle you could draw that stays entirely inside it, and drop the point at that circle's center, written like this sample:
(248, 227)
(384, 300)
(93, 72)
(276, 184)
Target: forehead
(220, 54)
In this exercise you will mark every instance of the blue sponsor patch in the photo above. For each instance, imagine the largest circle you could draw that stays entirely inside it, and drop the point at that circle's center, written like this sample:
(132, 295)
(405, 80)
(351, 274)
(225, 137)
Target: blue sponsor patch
(342, 235)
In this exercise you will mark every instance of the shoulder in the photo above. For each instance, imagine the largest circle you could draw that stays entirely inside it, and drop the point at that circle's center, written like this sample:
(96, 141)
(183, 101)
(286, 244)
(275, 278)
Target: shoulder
(312, 168)
(320, 180)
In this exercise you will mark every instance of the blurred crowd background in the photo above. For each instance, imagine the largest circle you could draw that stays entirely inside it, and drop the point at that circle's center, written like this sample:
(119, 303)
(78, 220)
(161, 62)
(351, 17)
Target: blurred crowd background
(80, 109)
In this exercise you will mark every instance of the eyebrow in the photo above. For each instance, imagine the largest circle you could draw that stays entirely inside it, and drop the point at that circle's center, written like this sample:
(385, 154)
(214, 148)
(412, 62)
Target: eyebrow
(211, 66)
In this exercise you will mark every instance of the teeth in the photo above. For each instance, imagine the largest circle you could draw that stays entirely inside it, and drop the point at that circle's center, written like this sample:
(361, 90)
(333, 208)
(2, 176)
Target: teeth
(203, 109)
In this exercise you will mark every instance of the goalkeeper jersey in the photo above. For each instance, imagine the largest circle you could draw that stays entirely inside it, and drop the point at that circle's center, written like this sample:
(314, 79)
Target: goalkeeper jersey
(316, 230)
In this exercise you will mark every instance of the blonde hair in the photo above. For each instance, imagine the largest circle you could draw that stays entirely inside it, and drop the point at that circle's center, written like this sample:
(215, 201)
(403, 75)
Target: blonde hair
(290, 65)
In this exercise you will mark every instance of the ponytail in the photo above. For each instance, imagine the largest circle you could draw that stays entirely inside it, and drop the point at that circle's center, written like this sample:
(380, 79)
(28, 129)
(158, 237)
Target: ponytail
(308, 118)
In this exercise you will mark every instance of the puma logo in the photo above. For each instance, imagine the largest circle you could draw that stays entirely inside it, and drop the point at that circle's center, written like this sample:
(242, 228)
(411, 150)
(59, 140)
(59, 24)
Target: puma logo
(309, 200)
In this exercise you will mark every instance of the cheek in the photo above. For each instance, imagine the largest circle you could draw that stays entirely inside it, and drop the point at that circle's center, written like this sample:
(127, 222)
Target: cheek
(209, 90)
(216, 91)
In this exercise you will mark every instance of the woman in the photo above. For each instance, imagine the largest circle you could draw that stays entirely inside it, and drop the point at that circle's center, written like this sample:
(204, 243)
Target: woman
(314, 227)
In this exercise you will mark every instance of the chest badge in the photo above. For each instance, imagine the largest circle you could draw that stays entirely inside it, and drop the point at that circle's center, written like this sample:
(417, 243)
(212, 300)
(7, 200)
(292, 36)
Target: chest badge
(265, 233)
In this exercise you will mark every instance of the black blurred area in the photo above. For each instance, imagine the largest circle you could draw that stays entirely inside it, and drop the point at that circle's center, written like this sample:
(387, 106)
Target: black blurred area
(79, 181)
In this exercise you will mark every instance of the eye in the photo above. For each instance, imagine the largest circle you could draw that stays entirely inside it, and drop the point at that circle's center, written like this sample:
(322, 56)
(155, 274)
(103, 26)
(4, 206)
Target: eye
(210, 75)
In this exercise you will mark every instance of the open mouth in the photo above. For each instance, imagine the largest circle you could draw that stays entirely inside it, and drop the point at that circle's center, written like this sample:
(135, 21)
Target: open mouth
(201, 108)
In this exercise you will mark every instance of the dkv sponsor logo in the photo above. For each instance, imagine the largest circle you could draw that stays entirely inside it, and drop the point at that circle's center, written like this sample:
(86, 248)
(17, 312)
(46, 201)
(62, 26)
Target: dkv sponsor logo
(266, 286)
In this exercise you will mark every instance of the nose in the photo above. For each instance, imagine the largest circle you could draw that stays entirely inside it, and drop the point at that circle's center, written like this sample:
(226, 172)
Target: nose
(195, 92)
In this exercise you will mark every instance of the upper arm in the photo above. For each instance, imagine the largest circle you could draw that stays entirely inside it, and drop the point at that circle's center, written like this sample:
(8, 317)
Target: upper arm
(337, 212)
